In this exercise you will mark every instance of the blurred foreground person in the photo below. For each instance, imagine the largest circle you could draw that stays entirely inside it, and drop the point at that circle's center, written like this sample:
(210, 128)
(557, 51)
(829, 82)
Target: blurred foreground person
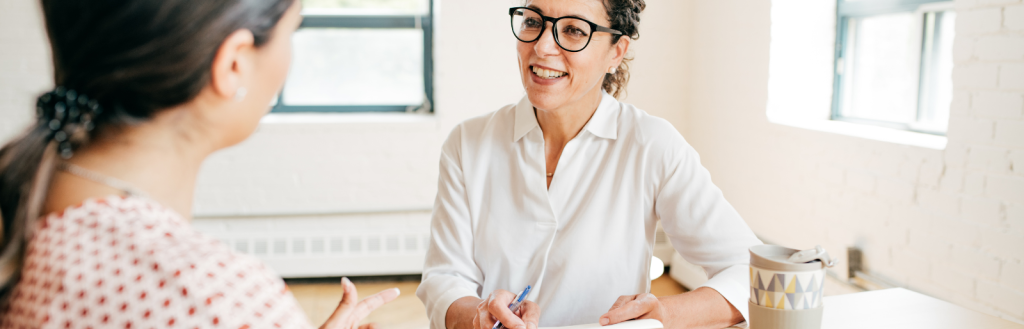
(96, 196)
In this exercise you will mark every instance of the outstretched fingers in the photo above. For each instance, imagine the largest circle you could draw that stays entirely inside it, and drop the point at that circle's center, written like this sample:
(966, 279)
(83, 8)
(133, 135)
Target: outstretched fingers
(351, 310)
(366, 306)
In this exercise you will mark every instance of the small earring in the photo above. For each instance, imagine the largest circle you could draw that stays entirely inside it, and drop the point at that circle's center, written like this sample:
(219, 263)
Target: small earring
(240, 94)
(611, 71)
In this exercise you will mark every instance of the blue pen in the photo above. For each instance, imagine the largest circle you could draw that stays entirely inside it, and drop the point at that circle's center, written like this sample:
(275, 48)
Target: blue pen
(514, 306)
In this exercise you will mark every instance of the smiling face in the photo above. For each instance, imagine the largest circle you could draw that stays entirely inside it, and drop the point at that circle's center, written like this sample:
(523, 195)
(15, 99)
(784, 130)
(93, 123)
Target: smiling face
(555, 78)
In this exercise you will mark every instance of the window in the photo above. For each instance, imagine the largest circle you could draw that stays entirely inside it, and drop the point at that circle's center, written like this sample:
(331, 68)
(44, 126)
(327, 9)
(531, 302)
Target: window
(361, 56)
(894, 64)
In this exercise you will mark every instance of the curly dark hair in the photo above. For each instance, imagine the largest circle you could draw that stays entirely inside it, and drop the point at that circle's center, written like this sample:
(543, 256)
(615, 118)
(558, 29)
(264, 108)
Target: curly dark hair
(625, 17)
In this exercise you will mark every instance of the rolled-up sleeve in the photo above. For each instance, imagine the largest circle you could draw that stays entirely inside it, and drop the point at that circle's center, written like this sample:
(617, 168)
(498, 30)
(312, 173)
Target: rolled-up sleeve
(702, 226)
(450, 272)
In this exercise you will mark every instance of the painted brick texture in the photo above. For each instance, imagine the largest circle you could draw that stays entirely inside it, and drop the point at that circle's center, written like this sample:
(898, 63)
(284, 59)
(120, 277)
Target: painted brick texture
(945, 222)
(969, 246)
(971, 251)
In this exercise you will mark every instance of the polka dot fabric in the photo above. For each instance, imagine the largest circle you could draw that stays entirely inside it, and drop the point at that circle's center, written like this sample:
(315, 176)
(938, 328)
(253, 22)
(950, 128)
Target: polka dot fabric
(132, 263)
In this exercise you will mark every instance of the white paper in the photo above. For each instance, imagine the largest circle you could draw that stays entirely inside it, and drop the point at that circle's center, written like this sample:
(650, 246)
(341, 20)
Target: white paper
(632, 324)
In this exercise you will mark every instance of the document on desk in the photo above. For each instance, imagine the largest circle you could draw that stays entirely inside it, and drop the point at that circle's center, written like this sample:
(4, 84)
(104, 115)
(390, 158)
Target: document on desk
(632, 324)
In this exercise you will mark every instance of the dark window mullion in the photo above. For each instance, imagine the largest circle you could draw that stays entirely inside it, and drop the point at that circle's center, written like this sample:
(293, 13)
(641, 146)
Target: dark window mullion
(339, 108)
(360, 21)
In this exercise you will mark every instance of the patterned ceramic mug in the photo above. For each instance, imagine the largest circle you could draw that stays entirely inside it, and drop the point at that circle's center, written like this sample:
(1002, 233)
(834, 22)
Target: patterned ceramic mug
(786, 287)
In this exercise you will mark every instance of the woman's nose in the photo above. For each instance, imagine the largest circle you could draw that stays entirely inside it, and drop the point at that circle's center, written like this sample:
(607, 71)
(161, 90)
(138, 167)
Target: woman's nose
(546, 44)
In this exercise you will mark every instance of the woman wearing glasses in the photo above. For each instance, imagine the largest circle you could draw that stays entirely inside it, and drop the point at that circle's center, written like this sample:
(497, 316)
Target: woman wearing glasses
(563, 191)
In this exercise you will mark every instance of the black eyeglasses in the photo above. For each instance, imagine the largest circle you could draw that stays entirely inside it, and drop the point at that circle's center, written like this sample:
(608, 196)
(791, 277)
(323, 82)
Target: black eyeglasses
(571, 33)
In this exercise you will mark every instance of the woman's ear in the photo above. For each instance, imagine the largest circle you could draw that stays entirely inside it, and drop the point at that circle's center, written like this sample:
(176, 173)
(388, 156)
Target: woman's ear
(234, 62)
(619, 50)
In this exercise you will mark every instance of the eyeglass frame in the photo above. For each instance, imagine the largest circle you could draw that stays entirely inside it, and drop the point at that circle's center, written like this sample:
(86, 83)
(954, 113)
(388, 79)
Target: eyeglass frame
(554, 22)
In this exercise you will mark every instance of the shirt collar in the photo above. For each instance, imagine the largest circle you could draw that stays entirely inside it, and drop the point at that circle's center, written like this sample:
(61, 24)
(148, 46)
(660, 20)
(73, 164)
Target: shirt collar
(604, 122)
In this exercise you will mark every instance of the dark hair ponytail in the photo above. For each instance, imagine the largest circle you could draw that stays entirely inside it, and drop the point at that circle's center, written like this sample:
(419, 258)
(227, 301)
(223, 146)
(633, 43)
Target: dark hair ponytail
(132, 58)
(625, 17)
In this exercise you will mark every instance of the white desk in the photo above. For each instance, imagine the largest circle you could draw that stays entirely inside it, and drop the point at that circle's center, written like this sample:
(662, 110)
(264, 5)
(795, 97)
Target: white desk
(901, 308)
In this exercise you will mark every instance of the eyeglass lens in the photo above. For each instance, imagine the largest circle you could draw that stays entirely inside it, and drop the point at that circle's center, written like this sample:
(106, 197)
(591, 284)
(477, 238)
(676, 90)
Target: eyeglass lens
(570, 33)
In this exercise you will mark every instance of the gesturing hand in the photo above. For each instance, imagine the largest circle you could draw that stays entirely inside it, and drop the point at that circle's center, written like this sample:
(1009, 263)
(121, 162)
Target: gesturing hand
(351, 310)
(642, 306)
(495, 308)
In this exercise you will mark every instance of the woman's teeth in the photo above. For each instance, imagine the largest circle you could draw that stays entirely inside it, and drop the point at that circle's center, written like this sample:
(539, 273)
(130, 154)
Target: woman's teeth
(548, 74)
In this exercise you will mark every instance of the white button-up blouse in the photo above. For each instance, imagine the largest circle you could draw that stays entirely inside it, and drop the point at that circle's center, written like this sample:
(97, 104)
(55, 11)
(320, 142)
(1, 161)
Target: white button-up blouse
(587, 239)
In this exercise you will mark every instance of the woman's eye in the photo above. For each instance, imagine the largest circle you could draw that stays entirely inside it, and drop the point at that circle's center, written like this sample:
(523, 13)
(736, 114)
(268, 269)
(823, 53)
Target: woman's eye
(574, 32)
(532, 22)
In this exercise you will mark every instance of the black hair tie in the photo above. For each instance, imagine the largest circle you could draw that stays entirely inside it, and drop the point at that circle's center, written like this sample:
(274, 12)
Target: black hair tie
(66, 113)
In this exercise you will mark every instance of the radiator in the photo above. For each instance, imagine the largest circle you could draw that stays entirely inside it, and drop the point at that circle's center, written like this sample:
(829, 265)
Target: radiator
(328, 245)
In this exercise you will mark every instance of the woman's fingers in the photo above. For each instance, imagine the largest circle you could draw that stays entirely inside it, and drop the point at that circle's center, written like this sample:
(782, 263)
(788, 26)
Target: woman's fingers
(366, 306)
(531, 314)
(635, 308)
(369, 326)
(621, 300)
(351, 310)
(497, 306)
(350, 296)
(483, 319)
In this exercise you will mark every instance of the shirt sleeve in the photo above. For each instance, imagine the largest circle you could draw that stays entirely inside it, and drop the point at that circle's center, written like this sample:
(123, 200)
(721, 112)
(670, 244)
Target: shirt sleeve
(450, 272)
(702, 226)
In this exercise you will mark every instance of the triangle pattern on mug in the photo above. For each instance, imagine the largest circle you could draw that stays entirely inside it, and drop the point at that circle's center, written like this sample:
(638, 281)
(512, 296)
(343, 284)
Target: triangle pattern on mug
(772, 289)
(791, 287)
(811, 286)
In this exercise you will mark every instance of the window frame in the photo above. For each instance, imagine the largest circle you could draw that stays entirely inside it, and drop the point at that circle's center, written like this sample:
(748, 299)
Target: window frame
(414, 21)
(846, 9)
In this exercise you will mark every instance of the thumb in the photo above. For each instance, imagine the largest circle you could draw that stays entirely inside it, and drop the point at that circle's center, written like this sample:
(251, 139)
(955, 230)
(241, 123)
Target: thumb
(349, 298)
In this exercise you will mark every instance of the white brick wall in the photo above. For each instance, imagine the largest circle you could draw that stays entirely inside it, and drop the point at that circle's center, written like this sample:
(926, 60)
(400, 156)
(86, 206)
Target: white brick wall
(948, 223)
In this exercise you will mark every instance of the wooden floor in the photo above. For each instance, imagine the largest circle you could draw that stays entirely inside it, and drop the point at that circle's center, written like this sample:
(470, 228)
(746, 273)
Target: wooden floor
(318, 298)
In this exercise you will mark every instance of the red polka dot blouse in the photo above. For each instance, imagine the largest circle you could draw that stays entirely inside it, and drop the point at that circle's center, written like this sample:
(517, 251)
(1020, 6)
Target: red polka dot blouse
(133, 263)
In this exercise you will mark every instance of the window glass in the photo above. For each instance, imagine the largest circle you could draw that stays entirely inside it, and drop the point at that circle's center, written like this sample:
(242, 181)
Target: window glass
(341, 66)
(894, 63)
(937, 70)
(880, 69)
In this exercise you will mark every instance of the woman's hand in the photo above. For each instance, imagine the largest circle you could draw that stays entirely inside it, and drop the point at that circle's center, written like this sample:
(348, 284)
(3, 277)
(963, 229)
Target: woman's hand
(703, 308)
(351, 310)
(641, 306)
(495, 308)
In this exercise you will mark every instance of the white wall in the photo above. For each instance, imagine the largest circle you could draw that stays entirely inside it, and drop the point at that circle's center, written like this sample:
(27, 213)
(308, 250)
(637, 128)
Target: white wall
(25, 68)
(354, 169)
(948, 223)
(374, 163)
